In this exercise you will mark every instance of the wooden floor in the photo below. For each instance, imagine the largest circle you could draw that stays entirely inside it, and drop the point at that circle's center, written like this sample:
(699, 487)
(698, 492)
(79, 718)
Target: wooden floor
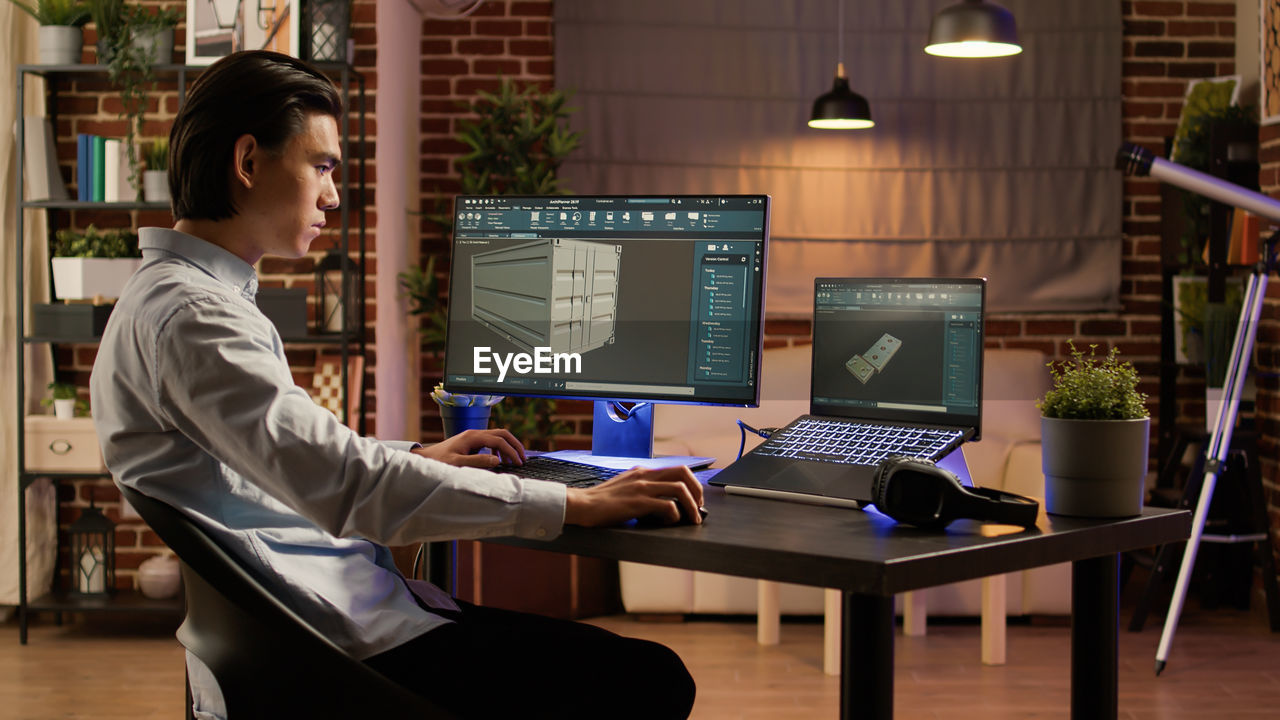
(1224, 664)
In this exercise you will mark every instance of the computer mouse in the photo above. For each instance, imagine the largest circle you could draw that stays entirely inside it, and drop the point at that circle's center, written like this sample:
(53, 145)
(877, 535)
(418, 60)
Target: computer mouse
(657, 519)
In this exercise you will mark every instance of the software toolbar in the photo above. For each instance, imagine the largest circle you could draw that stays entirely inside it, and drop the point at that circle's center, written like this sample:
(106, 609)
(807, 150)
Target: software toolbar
(680, 216)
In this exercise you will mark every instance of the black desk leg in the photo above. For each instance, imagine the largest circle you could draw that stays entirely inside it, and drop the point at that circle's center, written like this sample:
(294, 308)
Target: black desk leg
(442, 565)
(1095, 618)
(866, 657)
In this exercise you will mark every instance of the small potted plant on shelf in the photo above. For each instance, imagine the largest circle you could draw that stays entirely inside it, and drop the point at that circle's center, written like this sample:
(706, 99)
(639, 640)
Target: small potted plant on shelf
(155, 179)
(61, 33)
(65, 400)
(93, 263)
(1095, 431)
(132, 40)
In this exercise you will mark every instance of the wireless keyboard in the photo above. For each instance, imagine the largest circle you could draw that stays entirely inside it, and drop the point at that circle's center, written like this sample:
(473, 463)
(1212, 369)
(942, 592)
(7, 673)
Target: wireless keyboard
(565, 472)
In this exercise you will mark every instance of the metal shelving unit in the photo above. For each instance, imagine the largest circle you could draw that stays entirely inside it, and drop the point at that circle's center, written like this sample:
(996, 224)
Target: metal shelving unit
(348, 339)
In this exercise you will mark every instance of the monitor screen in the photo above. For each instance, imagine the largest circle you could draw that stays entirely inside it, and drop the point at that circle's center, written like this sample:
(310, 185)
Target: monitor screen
(631, 298)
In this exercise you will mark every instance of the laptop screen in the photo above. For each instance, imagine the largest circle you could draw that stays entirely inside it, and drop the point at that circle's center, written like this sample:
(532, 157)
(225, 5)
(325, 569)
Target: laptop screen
(901, 349)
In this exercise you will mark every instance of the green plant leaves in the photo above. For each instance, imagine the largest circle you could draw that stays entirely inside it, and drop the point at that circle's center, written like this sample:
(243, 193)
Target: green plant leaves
(71, 13)
(1093, 388)
(96, 243)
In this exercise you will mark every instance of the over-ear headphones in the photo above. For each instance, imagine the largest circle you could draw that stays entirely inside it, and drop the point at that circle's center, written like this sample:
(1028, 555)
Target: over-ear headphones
(917, 492)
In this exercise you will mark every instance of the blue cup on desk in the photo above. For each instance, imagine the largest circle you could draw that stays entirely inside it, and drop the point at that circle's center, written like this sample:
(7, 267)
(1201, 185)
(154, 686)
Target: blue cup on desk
(457, 418)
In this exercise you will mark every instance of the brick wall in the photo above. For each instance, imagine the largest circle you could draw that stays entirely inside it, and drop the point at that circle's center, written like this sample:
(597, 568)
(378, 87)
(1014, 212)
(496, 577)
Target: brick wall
(1165, 43)
(502, 38)
(1268, 353)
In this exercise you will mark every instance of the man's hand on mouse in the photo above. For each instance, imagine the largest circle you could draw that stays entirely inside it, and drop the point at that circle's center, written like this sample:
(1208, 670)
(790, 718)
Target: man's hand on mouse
(635, 493)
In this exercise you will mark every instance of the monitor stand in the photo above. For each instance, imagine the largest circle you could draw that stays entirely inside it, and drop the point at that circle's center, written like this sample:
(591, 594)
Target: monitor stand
(622, 438)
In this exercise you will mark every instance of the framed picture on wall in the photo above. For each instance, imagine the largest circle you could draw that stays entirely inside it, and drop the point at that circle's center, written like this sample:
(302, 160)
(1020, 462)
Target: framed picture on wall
(220, 27)
(1270, 57)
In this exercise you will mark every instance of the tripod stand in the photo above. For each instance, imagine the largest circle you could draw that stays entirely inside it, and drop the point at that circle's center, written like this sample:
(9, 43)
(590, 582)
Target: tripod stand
(1215, 453)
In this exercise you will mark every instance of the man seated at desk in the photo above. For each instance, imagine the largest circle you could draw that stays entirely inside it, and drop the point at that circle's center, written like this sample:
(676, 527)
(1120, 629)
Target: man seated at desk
(194, 405)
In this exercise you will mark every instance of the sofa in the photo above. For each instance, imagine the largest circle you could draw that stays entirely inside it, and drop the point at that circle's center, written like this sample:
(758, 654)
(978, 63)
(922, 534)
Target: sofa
(1007, 457)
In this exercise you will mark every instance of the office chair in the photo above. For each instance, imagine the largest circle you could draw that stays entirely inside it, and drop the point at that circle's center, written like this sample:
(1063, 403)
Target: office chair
(268, 661)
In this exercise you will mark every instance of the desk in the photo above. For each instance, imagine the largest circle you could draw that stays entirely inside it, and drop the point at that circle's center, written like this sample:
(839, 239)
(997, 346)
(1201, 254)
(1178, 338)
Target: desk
(869, 558)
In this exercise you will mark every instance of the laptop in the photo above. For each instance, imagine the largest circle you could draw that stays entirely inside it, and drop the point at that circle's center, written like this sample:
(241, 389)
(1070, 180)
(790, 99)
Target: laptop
(897, 369)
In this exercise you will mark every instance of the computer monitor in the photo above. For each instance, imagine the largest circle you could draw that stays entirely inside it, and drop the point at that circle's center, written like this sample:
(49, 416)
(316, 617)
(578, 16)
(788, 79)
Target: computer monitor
(616, 299)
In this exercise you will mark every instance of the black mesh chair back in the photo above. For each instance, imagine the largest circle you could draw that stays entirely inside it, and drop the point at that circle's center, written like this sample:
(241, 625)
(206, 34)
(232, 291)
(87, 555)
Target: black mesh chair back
(268, 661)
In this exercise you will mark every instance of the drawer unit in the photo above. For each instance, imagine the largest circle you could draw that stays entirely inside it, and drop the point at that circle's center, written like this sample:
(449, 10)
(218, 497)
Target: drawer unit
(54, 445)
(557, 293)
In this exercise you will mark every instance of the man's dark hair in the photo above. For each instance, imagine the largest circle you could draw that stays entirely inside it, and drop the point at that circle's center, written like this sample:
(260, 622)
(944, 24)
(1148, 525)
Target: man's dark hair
(264, 94)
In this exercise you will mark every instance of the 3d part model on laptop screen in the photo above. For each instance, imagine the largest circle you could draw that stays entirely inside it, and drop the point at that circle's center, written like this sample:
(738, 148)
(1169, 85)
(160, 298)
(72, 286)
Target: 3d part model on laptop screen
(872, 361)
(897, 370)
(898, 346)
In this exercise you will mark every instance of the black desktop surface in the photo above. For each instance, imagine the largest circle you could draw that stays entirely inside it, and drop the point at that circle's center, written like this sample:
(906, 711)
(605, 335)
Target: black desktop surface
(855, 550)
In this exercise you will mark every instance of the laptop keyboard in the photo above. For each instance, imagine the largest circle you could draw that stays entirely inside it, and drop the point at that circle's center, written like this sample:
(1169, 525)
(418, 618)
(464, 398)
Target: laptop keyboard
(854, 443)
(565, 472)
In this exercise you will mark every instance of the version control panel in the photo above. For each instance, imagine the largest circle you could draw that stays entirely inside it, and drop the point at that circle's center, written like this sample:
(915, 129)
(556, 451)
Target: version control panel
(725, 276)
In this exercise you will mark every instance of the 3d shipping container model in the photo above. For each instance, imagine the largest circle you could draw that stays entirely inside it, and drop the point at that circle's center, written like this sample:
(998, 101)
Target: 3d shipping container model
(556, 293)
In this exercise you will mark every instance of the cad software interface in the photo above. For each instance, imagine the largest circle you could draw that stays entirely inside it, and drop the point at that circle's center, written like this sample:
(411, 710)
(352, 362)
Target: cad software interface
(608, 297)
(898, 345)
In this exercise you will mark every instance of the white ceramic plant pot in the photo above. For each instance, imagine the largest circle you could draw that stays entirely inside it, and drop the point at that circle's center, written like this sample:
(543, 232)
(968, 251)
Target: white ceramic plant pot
(159, 44)
(59, 44)
(155, 186)
(1094, 468)
(87, 278)
(64, 409)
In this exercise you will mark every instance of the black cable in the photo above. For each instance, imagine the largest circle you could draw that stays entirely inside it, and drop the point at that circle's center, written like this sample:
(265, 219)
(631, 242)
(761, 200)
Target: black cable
(743, 428)
(623, 412)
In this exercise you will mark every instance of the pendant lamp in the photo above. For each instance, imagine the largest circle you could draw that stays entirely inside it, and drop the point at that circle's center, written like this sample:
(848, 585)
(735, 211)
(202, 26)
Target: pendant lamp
(973, 28)
(841, 108)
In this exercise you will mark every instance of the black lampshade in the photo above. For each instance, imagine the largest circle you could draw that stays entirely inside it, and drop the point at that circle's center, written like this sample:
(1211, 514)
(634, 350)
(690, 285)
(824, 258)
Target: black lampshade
(973, 28)
(841, 108)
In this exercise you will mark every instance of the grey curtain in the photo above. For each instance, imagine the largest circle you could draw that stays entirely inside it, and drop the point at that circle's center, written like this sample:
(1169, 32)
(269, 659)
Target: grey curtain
(997, 167)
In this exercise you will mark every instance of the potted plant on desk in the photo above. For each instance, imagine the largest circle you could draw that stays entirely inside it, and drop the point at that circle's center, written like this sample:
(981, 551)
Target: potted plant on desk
(1095, 431)
(61, 33)
(463, 412)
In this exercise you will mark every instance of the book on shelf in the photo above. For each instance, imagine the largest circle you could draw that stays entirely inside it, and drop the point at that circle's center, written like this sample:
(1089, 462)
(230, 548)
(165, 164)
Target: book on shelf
(102, 170)
(111, 158)
(1242, 239)
(40, 161)
(83, 192)
(98, 181)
